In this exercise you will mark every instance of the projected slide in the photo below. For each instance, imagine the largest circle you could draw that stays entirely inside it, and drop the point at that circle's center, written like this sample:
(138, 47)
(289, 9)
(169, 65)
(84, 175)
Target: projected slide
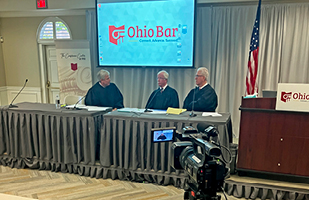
(146, 33)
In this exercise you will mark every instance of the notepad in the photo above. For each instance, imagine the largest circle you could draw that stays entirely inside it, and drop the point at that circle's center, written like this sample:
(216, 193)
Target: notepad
(175, 111)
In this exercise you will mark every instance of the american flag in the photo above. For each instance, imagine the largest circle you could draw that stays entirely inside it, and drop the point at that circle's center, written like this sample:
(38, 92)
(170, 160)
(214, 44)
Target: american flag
(251, 82)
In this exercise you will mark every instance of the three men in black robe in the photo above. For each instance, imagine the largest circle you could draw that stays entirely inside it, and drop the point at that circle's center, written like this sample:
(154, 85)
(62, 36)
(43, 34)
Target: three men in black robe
(164, 96)
(104, 93)
(202, 98)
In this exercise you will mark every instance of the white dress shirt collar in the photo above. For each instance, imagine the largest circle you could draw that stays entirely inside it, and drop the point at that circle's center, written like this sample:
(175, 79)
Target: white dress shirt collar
(203, 86)
(163, 87)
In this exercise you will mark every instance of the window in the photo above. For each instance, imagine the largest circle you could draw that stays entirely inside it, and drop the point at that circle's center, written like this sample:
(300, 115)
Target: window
(53, 28)
(62, 31)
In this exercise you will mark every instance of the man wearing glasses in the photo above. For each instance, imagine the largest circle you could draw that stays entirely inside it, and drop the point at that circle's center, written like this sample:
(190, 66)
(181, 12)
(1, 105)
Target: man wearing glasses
(202, 98)
(164, 96)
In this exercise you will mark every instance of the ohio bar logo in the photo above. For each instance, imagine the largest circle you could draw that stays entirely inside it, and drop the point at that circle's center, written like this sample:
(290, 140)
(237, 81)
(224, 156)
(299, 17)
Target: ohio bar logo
(297, 96)
(116, 34)
(286, 96)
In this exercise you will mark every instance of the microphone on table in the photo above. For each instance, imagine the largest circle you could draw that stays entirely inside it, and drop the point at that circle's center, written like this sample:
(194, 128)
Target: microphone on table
(11, 104)
(192, 114)
(76, 108)
(148, 110)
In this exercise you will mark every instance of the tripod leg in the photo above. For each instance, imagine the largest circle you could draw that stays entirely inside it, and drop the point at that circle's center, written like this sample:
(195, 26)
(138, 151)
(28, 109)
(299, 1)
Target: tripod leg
(186, 195)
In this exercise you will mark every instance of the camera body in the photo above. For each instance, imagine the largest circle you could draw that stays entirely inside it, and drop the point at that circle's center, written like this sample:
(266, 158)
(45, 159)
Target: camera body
(200, 159)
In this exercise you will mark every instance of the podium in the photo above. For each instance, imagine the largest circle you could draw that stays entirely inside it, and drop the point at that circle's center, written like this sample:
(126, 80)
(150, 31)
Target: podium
(272, 141)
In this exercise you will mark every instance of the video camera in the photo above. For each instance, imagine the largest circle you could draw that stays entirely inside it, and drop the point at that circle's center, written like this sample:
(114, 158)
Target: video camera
(199, 157)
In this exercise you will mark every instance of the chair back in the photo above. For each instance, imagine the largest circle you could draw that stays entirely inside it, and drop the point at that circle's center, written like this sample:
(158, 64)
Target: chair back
(71, 100)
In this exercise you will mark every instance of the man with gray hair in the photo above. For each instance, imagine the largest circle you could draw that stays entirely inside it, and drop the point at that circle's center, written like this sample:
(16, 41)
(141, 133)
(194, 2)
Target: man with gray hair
(104, 93)
(164, 96)
(202, 98)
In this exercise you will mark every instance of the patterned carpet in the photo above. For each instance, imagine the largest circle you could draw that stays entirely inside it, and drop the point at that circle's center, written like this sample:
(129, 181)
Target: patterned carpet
(23, 184)
(37, 184)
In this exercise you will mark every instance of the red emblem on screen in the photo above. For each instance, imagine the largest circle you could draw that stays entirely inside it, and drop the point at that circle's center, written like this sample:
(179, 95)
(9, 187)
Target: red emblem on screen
(116, 35)
(74, 66)
(286, 96)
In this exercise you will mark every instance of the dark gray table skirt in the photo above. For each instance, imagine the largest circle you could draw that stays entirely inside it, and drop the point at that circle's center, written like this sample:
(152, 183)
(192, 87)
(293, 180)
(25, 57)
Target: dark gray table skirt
(126, 144)
(39, 136)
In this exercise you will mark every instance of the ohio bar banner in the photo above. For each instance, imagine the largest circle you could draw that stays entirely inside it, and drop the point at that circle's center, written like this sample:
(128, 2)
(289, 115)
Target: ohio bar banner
(74, 68)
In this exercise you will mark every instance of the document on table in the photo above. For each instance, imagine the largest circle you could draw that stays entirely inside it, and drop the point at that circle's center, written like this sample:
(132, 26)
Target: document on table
(97, 108)
(157, 112)
(139, 110)
(134, 110)
(212, 114)
(89, 108)
(175, 111)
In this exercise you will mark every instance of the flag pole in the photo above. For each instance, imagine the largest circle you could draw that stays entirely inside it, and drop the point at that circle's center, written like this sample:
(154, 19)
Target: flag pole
(252, 70)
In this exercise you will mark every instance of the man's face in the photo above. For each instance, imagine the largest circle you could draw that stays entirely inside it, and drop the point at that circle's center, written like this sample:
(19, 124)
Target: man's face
(161, 80)
(200, 80)
(106, 81)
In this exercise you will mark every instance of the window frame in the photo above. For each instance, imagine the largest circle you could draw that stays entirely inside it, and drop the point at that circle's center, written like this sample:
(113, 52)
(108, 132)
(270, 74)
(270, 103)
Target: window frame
(51, 41)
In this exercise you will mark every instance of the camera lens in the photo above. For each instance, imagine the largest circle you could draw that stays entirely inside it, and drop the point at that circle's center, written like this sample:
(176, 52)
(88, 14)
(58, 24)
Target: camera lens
(184, 155)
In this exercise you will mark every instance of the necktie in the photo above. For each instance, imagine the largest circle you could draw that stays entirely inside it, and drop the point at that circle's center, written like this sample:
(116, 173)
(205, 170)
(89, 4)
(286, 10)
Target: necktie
(161, 90)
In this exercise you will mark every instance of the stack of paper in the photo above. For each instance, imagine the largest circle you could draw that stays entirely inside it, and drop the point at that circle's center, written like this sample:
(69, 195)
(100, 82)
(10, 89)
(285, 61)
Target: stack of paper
(157, 112)
(97, 108)
(134, 110)
(89, 108)
(212, 114)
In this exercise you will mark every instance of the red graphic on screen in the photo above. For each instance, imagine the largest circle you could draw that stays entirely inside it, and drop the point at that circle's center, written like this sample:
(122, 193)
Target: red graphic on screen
(116, 35)
(286, 96)
(74, 66)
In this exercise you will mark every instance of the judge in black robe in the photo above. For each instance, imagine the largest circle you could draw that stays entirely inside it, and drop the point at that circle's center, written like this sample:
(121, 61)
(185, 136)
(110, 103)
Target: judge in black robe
(202, 98)
(104, 93)
(161, 137)
(161, 100)
(164, 96)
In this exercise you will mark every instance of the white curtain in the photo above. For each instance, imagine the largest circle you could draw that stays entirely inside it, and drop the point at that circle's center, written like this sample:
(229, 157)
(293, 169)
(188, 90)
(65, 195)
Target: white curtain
(92, 38)
(222, 45)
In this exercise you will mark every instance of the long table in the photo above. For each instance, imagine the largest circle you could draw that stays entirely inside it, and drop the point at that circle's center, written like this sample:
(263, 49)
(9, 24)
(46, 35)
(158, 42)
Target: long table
(118, 145)
(127, 152)
(40, 136)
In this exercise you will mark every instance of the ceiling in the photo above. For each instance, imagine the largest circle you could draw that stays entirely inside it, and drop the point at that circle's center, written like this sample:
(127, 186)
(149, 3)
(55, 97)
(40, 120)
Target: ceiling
(27, 8)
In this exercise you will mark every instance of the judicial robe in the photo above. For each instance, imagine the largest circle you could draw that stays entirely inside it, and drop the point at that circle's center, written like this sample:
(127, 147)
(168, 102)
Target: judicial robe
(161, 137)
(109, 96)
(205, 100)
(162, 100)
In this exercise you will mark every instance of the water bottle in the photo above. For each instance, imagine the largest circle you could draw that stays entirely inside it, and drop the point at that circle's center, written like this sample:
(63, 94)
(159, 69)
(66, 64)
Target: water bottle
(57, 102)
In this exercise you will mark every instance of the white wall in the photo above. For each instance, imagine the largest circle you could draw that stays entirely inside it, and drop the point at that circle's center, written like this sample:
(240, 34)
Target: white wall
(19, 52)
(2, 72)
(20, 49)
(29, 94)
